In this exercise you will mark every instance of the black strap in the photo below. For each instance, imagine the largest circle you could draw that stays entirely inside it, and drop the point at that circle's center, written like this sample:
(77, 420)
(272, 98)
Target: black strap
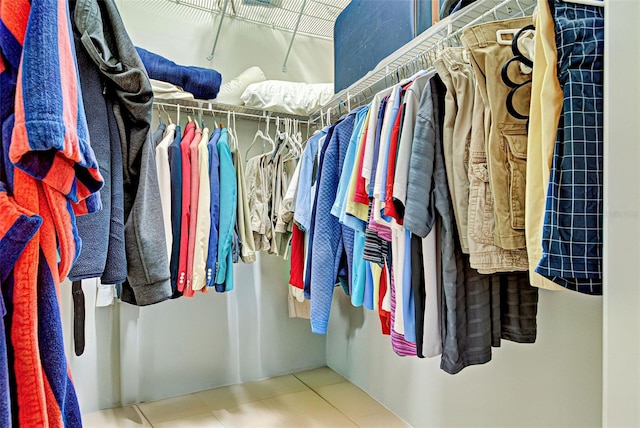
(510, 108)
(505, 73)
(78, 317)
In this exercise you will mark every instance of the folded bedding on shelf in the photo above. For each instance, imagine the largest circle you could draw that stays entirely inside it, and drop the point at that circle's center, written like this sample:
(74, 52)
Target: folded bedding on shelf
(231, 91)
(203, 83)
(169, 91)
(288, 97)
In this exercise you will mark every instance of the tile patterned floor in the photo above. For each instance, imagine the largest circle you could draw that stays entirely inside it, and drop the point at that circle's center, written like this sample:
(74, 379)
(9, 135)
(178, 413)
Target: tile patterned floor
(315, 398)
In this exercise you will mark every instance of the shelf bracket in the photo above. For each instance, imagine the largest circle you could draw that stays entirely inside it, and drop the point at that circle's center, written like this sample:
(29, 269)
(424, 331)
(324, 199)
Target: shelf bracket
(215, 43)
(293, 36)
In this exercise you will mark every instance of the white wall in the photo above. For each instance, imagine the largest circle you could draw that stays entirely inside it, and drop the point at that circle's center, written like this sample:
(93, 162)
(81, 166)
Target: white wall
(556, 382)
(185, 35)
(177, 347)
(621, 395)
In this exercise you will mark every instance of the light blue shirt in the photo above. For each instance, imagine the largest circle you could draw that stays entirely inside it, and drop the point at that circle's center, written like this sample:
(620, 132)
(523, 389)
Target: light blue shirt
(302, 214)
(408, 305)
(359, 270)
(340, 205)
(228, 203)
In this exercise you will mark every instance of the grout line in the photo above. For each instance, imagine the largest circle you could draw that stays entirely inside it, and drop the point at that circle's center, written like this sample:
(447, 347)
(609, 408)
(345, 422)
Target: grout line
(141, 414)
(327, 401)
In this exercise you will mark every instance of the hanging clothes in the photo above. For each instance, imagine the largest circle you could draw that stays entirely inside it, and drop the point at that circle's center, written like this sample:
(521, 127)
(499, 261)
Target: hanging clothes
(544, 114)
(148, 276)
(164, 181)
(185, 156)
(214, 208)
(175, 167)
(332, 245)
(50, 170)
(572, 228)
(203, 216)
(245, 234)
(228, 203)
(193, 207)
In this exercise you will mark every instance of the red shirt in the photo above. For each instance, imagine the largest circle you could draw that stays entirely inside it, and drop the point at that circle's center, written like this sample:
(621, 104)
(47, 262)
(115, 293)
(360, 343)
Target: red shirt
(361, 195)
(296, 272)
(389, 205)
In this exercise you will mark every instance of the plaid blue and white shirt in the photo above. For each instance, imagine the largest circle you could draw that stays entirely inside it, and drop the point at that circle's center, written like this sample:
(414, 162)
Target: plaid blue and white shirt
(572, 232)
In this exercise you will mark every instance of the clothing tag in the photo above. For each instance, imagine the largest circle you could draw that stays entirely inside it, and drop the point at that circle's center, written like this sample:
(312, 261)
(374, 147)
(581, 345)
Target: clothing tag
(106, 295)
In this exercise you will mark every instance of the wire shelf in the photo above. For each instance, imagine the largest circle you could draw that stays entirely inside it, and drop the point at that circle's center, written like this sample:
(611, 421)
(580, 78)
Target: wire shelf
(415, 53)
(251, 113)
(317, 19)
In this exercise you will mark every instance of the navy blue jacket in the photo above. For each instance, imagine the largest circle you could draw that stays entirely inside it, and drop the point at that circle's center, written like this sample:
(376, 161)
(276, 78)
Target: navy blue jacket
(175, 168)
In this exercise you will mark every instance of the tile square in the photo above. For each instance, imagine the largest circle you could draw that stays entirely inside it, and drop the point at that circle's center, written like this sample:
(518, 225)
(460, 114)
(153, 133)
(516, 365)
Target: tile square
(173, 408)
(384, 419)
(276, 386)
(125, 417)
(248, 415)
(350, 400)
(319, 377)
(331, 418)
(298, 403)
(228, 396)
(204, 420)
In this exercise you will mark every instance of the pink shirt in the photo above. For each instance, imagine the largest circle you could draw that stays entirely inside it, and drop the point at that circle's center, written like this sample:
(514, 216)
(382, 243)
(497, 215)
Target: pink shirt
(195, 187)
(189, 134)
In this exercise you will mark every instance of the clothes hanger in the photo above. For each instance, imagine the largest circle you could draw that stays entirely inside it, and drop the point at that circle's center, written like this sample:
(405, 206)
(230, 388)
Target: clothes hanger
(159, 116)
(518, 56)
(291, 142)
(168, 116)
(265, 138)
(233, 139)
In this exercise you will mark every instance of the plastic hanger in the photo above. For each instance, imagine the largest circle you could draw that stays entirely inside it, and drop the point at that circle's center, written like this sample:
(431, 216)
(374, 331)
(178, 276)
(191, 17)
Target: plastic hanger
(265, 138)
(168, 116)
(160, 116)
(290, 141)
(233, 139)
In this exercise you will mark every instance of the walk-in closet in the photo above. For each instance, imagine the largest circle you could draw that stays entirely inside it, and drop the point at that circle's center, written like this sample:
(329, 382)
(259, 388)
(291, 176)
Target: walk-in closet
(322, 213)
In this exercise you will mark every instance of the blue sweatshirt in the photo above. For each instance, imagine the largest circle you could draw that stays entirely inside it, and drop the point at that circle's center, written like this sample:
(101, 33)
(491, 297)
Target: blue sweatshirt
(331, 239)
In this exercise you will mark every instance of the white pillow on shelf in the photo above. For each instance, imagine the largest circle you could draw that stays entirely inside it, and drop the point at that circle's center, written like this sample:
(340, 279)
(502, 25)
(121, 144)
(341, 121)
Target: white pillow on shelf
(231, 91)
(300, 99)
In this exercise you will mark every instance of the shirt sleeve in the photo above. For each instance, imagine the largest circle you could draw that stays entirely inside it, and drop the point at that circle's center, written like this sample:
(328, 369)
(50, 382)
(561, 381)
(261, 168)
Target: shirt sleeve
(17, 227)
(50, 140)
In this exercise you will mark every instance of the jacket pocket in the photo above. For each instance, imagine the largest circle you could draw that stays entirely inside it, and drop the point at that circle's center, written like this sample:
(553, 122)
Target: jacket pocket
(480, 216)
(516, 144)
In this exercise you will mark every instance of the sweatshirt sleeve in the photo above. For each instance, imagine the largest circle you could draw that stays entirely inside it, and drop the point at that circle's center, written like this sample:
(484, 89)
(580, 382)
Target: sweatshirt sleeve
(148, 264)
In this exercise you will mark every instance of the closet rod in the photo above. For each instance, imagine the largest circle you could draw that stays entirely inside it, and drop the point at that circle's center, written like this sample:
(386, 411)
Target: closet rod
(437, 35)
(210, 109)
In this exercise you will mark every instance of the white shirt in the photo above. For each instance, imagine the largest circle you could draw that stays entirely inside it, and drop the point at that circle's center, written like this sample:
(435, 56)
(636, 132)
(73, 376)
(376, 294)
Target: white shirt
(164, 181)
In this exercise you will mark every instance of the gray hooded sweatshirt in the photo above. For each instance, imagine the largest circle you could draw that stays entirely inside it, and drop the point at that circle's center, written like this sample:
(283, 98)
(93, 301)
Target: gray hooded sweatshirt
(106, 41)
